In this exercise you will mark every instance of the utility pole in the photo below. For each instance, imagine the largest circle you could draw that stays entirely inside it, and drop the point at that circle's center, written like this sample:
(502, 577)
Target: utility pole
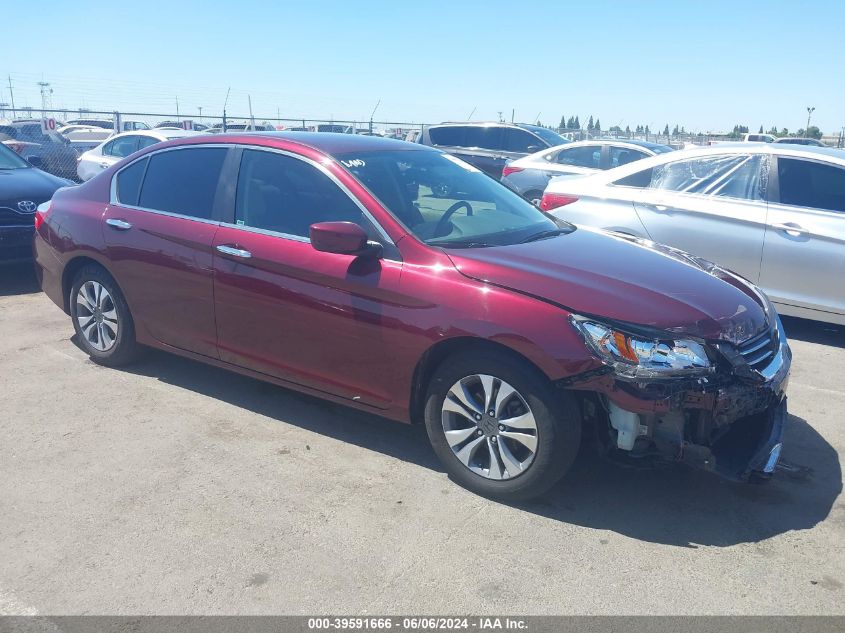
(200, 109)
(373, 114)
(177, 108)
(45, 91)
(12, 97)
(809, 114)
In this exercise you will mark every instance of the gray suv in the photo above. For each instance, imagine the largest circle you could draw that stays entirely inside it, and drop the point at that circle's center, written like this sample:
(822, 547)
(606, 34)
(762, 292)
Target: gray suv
(488, 146)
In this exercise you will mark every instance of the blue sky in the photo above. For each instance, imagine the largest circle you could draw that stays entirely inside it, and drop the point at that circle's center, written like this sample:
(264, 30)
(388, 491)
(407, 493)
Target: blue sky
(703, 65)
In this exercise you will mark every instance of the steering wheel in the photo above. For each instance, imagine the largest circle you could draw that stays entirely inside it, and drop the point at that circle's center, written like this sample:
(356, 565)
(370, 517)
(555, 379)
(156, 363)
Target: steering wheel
(444, 219)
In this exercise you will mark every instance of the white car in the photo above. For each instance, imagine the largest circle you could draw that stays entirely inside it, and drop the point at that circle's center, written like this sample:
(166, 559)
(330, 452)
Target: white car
(120, 146)
(772, 212)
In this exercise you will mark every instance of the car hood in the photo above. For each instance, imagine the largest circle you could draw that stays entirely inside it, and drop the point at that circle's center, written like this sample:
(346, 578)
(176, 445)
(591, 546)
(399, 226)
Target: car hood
(631, 281)
(28, 184)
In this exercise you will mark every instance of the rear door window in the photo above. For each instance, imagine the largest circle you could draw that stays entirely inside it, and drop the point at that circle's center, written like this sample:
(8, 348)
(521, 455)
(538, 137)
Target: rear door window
(183, 181)
(731, 176)
(805, 183)
(624, 155)
(584, 156)
(517, 140)
(452, 135)
(146, 141)
(121, 147)
(484, 137)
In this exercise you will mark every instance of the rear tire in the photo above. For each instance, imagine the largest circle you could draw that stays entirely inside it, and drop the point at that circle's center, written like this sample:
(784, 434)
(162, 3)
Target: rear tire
(517, 453)
(101, 318)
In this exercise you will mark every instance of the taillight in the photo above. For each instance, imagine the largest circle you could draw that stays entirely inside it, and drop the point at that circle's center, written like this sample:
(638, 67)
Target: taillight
(554, 200)
(41, 214)
(507, 170)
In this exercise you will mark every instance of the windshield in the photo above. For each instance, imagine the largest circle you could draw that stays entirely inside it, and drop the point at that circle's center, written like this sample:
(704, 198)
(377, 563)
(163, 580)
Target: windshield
(10, 160)
(552, 138)
(446, 202)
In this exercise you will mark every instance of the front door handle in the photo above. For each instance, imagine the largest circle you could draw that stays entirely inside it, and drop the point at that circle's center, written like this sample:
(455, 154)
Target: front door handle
(120, 225)
(234, 252)
(104, 165)
(791, 229)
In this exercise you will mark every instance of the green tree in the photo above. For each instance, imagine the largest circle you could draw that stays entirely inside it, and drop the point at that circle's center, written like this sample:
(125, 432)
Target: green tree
(773, 130)
(577, 123)
(761, 130)
(562, 122)
(784, 131)
(590, 124)
(812, 132)
(666, 130)
(597, 126)
(628, 130)
(646, 130)
(675, 130)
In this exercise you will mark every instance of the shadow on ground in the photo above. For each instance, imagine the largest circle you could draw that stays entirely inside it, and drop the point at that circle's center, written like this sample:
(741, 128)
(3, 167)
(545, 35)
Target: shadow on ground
(18, 279)
(673, 505)
(814, 331)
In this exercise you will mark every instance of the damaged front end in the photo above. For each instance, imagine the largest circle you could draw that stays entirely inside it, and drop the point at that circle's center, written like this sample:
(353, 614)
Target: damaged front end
(714, 405)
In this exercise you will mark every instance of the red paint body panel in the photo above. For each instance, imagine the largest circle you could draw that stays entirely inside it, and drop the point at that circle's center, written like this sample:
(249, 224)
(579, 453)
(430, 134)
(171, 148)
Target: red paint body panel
(164, 267)
(355, 329)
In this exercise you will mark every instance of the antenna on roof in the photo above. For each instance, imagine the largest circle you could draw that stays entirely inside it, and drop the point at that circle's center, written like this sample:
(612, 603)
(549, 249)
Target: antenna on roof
(469, 118)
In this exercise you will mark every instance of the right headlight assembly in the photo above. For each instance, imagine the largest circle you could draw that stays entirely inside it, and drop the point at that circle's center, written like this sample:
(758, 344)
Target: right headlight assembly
(638, 356)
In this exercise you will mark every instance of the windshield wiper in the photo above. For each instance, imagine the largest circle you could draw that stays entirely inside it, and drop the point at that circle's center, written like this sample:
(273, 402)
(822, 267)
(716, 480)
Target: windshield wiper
(544, 234)
(459, 243)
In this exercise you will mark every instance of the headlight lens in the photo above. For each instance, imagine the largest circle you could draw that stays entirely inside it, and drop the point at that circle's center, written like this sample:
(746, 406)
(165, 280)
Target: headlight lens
(638, 357)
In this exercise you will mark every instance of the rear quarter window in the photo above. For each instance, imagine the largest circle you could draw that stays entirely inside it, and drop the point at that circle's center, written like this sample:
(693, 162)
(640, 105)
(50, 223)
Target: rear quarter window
(129, 182)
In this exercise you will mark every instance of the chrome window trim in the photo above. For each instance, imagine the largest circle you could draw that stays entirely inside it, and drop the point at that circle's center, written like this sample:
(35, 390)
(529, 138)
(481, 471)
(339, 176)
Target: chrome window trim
(324, 170)
(113, 199)
(253, 229)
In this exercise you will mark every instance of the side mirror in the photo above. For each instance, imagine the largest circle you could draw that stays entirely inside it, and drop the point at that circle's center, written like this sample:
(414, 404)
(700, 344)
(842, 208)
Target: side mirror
(35, 161)
(343, 238)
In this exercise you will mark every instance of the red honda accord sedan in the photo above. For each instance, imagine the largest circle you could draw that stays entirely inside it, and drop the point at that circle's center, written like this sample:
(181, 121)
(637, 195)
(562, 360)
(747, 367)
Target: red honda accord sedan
(400, 280)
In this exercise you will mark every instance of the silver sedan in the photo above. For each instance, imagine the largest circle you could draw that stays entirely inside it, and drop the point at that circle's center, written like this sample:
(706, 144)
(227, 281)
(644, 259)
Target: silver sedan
(772, 213)
(529, 175)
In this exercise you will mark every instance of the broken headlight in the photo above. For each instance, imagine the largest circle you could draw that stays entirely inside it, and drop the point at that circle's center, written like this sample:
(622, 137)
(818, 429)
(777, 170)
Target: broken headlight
(639, 356)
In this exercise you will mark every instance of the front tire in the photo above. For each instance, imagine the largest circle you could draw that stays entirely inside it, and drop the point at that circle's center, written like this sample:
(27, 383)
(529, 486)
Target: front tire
(498, 426)
(101, 318)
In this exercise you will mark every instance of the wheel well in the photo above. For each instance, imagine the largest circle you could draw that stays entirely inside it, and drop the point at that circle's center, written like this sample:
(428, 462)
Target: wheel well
(439, 352)
(73, 267)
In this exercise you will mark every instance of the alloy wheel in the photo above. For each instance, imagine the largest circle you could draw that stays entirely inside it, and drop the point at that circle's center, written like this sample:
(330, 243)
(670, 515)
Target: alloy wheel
(489, 427)
(96, 315)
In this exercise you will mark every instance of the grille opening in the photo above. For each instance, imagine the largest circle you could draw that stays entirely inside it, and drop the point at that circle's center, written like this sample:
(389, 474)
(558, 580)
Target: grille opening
(759, 350)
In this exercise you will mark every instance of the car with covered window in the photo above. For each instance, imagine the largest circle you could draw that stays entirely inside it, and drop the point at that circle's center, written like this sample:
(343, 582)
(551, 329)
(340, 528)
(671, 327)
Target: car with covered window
(773, 213)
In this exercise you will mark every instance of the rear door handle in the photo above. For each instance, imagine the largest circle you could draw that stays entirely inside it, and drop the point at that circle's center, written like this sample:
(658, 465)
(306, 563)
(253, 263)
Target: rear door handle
(120, 225)
(104, 165)
(234, 252)
(791, 229)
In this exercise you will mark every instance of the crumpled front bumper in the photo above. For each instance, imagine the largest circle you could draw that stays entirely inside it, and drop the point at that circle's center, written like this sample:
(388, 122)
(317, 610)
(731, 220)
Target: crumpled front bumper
(731, 424)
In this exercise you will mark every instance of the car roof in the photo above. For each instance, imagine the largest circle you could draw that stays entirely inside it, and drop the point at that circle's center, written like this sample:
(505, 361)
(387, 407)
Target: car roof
(330, 142)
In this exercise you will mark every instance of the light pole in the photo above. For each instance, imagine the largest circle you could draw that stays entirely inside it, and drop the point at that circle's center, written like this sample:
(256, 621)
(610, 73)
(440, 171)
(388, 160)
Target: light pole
(809, 114)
